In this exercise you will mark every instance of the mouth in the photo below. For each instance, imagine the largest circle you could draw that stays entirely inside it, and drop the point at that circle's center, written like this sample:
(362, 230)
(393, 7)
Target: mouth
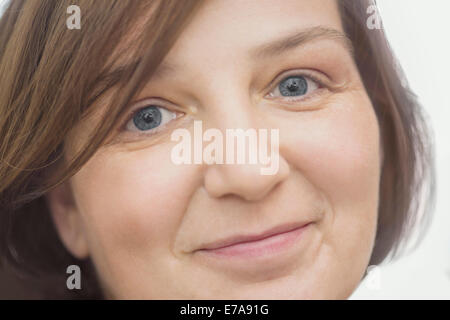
(270, 242)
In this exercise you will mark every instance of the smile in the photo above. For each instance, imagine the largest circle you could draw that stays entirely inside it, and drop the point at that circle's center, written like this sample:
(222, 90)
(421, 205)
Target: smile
(263, 246)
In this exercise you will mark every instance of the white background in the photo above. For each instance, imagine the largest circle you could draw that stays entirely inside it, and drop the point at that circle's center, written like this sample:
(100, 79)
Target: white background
(419, 34)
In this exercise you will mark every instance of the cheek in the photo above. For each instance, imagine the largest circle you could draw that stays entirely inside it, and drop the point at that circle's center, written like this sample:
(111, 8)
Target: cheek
(342, 153)
(132, 204)
(337, 149)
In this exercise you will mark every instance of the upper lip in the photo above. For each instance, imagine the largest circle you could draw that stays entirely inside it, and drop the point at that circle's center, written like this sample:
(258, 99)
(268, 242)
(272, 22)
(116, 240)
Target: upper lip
(236, 239)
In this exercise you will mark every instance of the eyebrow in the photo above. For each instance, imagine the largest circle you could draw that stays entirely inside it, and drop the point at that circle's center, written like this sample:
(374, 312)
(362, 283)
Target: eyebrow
(266, 50)
(300, 38)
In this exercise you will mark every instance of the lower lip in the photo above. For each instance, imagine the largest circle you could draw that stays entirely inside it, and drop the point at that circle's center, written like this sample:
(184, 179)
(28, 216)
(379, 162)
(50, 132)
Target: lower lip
(260, 248)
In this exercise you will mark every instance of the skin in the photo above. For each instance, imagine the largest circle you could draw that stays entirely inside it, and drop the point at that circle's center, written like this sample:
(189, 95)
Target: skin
(141, 218)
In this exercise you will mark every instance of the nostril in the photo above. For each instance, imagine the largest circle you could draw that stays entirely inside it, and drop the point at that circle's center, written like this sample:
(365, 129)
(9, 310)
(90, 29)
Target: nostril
(243, 181)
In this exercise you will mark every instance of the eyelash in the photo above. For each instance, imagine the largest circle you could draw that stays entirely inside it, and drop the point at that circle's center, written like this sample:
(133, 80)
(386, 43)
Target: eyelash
(273, 85)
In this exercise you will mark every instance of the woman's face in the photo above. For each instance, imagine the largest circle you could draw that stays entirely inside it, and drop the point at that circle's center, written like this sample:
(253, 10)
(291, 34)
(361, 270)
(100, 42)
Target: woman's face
(146, 222)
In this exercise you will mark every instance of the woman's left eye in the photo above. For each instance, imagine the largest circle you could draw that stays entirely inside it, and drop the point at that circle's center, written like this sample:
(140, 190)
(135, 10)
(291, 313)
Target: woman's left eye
(295, 87)
(150, 118)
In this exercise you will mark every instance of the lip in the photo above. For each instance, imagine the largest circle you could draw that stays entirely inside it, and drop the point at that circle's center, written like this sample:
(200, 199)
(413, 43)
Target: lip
(270, 241)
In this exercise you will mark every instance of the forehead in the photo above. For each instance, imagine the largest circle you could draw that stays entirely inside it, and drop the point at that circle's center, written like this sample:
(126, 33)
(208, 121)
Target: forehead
(223, 31)
(228, 28)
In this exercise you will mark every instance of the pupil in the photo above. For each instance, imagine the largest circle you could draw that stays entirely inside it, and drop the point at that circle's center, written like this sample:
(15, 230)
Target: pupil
(293, 86)
(147, 118)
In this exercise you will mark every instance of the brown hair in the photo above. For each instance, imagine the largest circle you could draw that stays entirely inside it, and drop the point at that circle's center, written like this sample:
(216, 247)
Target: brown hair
(50, 76)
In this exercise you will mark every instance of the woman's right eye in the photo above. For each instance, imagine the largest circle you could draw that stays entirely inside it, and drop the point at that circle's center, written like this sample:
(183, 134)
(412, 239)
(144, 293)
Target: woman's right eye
(149, 119)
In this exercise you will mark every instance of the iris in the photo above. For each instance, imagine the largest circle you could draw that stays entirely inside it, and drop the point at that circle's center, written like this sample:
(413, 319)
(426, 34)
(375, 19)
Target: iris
(148, 118)
(293, 86)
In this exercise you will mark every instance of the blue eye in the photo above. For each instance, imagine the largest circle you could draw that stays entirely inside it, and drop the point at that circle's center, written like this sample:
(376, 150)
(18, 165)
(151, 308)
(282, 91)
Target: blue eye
(293, 86)
(147, 118)
(150, 118)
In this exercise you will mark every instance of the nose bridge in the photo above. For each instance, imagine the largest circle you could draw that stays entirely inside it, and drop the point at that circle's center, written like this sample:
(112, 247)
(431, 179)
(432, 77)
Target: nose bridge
(230, 104)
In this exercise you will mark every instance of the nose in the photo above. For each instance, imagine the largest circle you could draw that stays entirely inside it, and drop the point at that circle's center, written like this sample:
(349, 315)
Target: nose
(231, 108)
(247, 179)
(243, 180)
